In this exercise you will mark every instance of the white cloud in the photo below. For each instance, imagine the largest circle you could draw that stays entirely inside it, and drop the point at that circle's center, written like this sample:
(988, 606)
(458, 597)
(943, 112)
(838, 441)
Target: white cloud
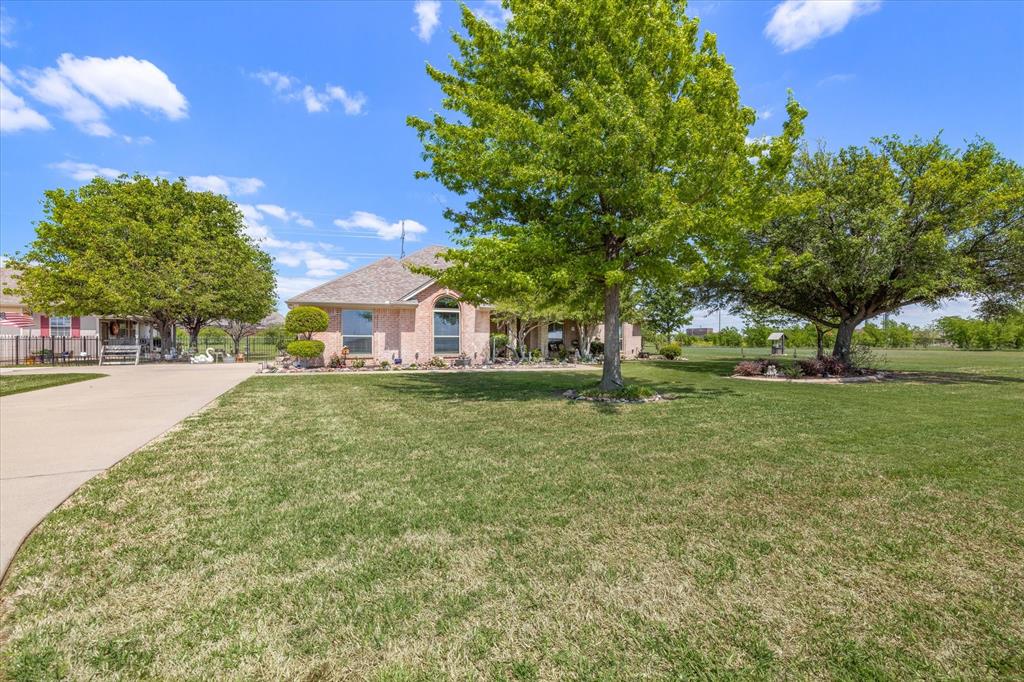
(493, 13)
(7, 26)
(275, 80)
(364, 220)
(15, 115)
(428, 16)
(291, 254)
(836, 78)
(291, 89)
(125, 82)
(799, 23)
(83, 90)
(84, 172)
(765, 114)
(353, 104)
(320, 265)
(224, 184)
(283, 214)
(292, 286)
(50, 87)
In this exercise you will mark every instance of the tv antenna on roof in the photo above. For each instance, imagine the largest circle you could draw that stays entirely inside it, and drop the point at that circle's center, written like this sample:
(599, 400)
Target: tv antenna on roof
(403, 240)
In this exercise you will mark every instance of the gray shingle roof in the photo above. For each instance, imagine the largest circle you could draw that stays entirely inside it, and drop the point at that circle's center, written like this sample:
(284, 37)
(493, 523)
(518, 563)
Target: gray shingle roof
(387, 280)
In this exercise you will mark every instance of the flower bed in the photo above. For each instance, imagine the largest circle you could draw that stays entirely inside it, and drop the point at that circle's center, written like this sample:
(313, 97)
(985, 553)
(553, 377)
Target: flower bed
(804, 368)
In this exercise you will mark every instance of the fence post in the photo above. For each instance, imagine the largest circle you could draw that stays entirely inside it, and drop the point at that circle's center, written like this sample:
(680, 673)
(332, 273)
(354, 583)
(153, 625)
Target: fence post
(17, 350)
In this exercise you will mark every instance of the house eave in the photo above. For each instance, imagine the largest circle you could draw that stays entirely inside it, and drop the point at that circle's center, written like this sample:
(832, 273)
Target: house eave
(354, 304)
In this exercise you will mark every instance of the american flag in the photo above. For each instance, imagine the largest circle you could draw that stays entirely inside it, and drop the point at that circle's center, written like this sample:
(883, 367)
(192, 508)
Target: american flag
(16, 319)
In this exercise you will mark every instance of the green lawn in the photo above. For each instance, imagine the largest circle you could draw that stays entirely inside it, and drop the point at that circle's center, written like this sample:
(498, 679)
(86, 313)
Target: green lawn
(391, 526)
(20, 383)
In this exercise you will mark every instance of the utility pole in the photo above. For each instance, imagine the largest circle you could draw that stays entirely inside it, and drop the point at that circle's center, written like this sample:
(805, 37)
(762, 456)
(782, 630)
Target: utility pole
(403, 240)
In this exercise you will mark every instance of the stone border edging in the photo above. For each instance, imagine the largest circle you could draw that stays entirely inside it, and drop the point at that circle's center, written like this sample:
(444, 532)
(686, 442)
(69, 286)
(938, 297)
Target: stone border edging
(436, 370)
(873, 378)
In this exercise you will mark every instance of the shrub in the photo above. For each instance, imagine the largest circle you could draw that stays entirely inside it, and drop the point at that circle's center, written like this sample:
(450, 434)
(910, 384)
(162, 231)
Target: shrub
(833, 366)
(335, 361)
(535, 354)
(670, 351)
(793, 371)
(359, 363)
(597, 347)
(437, 361)
(811, 367)
(750, 368)
(753, 368)
(306, 349)
(500, 341)
(305, 320)
(384, 364)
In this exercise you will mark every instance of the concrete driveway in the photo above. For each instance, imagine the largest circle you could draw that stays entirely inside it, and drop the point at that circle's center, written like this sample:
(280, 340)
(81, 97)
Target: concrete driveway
(55, 439)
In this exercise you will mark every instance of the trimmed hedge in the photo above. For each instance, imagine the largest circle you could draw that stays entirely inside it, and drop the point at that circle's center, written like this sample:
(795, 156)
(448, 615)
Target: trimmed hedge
(306, 349)
(306, 319)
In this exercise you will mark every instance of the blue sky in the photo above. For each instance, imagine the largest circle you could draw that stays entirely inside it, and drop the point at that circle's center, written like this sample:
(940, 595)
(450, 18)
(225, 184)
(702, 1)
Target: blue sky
(297, 111)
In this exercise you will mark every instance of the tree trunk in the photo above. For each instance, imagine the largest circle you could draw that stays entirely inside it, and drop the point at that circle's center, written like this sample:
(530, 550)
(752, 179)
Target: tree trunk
(844, 340)
(821, 341)
(583, 337)
(611, 374)
(193, 337)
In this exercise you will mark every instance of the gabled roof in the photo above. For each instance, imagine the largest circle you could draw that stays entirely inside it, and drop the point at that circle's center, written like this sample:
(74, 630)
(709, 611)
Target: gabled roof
(383, 282)
(776, 336)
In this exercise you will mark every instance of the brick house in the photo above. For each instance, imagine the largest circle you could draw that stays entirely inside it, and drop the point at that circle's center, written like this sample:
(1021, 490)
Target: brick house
(384, 311)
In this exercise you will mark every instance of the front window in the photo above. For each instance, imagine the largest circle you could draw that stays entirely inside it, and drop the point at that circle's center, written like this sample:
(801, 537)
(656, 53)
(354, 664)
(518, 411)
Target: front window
(357, 331)
(555, 332)
(60, 326)
(446, 326)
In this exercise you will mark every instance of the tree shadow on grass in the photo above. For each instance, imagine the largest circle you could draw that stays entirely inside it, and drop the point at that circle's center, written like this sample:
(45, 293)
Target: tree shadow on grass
(724, 367)
(526, 386)
(948, 378)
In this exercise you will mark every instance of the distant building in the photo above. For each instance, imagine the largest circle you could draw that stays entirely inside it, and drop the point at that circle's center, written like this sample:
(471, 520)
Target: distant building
(699, 331)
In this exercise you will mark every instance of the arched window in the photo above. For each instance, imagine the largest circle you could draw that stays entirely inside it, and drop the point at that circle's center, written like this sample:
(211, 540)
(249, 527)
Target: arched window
(446, 326)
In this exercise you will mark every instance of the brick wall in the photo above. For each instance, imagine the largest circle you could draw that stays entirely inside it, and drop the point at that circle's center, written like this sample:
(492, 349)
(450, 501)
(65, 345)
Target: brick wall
(474, 327)
(404, 332)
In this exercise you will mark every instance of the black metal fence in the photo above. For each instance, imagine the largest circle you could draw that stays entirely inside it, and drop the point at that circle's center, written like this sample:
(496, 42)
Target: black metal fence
(49, 350)
(84, 350)
(255, 348)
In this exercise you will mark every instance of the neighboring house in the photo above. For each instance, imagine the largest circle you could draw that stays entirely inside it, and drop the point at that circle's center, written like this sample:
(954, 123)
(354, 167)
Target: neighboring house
(384, 311)
(17, 320)
(699, 331)
(274, 319)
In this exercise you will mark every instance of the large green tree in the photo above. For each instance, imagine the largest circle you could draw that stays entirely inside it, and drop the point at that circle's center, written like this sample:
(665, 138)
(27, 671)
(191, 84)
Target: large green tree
(665, 309)
(143, 247)
(868, 230)
(604, 138)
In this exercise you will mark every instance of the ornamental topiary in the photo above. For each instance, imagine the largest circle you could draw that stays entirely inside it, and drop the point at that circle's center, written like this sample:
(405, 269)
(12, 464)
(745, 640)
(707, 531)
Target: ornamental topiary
(670, 351)
(306, 320)
(306, 349)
